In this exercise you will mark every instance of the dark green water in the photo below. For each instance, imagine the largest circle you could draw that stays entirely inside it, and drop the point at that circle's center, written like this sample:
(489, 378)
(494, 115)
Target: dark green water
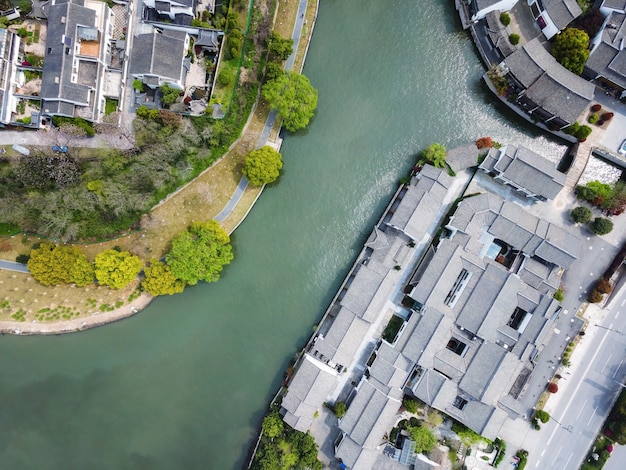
(184, 384)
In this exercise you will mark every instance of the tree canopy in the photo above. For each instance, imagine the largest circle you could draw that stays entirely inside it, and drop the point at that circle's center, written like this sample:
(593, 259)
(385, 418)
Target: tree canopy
(601, 226)
(200, 253)
(295, 99)
(262, 166)
(581, 214)
(279, 48)
(117, 269)
(272, 425)
(424, 438)
(159, 279)
(571, 49)
(435, 154)
(52, 265)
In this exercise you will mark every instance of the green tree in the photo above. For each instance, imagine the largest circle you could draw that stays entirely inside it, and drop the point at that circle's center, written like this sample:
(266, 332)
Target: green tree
(52, 265)
(273, 71)
(295, 99)
(435, 154)
(117, 269)
(409, 404)
(581, 214)
(601, 226)
(200, 253)
(279, 48)
(159, 280)
(262, 166)
(340, 409)
(138, 85)
(424, 438)
(571, 49)
(169, 94)
(272, 425)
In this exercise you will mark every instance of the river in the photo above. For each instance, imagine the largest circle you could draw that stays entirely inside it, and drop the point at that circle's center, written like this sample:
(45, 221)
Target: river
(185, 383)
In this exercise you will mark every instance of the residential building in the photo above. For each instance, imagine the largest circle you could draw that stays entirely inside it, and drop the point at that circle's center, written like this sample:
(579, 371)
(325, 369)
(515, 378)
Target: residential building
(179, 12)
(553, 16)
(527, 172)
(477, 311)
(159, 57)
(78, 49)
(9, 63)
(607, 61)
(543, 88)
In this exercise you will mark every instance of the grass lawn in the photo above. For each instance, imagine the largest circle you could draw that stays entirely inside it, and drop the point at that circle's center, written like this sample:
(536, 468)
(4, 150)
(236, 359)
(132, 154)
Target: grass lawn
(110, 106)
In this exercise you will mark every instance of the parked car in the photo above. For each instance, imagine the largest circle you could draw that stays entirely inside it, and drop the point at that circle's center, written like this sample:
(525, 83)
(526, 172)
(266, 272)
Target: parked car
(622, 148)
(56, 148)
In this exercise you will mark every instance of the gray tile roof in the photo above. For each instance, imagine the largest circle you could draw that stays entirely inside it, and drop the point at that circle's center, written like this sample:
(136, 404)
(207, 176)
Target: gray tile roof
(369, 416)
(421, 202)
(562, 12)
(343, 339)
(362, 290)
(608, 59)
(616, 4)
(307, 391)
(548, 83)
(64, 18)
(159, 53)
(354, 456)
(482, 370)
(526, 169)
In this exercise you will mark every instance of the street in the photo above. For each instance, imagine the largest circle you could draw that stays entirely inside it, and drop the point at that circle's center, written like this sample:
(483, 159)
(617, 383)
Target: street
(587, 392)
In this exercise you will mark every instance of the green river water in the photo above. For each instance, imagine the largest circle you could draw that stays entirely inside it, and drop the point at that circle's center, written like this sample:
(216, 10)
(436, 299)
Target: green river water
(185, 383)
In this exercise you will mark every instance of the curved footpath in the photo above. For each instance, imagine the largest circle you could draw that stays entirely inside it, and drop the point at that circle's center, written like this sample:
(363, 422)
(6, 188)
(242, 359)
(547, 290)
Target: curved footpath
(141, 302)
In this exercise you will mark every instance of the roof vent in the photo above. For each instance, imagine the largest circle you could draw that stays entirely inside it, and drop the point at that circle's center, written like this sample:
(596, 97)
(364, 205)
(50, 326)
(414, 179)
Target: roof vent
(56, 79)
(63, 19)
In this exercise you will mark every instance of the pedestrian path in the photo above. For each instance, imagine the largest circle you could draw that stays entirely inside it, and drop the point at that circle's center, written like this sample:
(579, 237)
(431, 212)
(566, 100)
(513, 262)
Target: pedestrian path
(271, 117)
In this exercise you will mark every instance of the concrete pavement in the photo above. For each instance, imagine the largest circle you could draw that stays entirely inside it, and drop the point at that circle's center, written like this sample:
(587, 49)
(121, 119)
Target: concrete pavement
(13, 266)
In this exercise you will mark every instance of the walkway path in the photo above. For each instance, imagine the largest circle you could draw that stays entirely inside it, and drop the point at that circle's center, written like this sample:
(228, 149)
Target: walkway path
(13, 266)
(271, 117)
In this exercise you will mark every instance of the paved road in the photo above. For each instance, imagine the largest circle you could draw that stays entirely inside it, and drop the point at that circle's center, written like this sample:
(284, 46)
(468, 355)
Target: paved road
(588, 393)
(12, 266)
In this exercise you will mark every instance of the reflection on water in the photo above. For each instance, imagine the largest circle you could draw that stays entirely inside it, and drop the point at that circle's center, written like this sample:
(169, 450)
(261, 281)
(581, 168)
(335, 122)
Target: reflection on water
(601, 170)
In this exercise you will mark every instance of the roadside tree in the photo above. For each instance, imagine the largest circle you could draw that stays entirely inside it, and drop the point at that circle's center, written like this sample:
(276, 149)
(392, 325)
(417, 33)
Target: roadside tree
(200, 253)
(117, 269)
(262, 166)
(295, 99)
(159, 280)
(571, 49)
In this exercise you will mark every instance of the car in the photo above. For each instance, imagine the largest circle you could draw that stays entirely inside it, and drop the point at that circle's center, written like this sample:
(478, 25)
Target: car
(622, 148)
(61, 149)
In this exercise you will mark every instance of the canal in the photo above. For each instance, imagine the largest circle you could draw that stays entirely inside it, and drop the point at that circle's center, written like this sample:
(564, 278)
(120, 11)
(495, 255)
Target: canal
(185, 383)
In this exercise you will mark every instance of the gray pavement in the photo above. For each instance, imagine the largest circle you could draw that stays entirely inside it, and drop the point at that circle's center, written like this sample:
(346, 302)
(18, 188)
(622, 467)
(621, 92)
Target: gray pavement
(271, 117)
(13, 266)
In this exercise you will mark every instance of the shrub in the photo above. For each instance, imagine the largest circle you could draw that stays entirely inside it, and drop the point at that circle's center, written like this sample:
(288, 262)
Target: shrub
(409, 404)
(593, 118)
(558, 295)
(340, 409)
(595, 108)
(542, 416)
(514, 39)
(581, 214)
(224, 78)
(594, 297)
(604, 286)
(553, 387)
(22, 32)
(583, 132)
(505, 18)
(22, 258)
(601, 226)
(484, 142)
